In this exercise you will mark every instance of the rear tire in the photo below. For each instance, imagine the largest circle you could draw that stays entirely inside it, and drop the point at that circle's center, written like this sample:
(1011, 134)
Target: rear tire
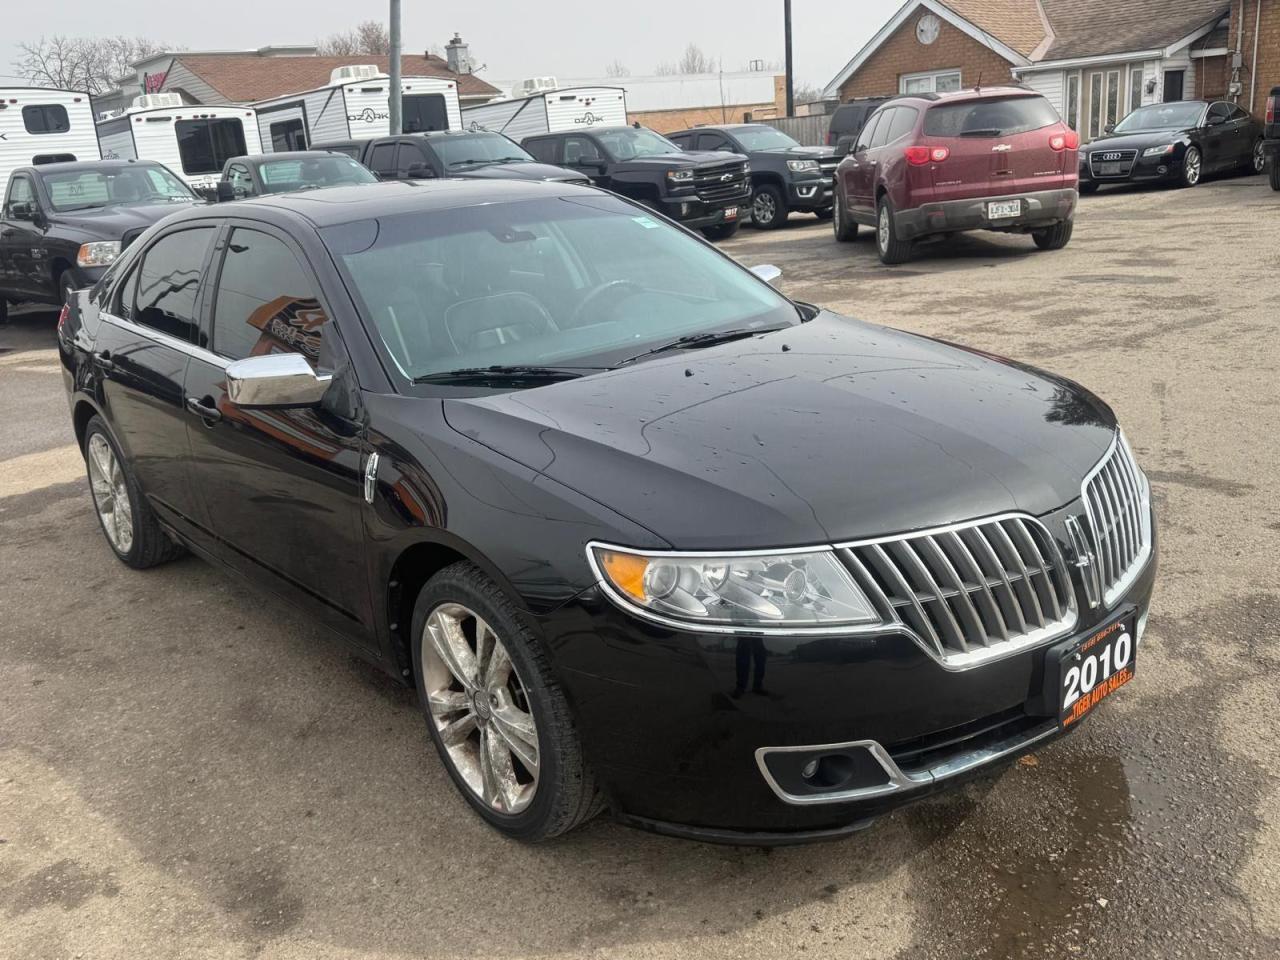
(1055, 237)
(891, 249)
(130, 525)
(721, 231)
(1275, 171)
(1192, 168)
(845, 229)
(557, 791)
(1258, 160)
(768, 207)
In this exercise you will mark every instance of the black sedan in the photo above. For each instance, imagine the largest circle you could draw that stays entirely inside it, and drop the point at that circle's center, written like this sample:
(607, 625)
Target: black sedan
(643, 533)
(63, 224)
(1175, 143)
(287, 171)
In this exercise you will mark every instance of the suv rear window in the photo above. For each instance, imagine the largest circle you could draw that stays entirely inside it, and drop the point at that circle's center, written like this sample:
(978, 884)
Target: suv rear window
(989, 118)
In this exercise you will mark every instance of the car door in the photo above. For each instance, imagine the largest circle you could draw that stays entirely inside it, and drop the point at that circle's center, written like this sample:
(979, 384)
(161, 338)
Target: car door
(861, 181)
(1243, 134)
(1219, 150)
(21, 264)
(147, 336)
(281, 487)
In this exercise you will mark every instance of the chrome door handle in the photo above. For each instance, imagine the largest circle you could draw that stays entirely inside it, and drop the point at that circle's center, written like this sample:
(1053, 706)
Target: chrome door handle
(209, 415)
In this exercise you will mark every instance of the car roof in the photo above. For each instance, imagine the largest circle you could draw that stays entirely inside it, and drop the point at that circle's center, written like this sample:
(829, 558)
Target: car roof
(80, 166)
(334, 206)
(971, 93)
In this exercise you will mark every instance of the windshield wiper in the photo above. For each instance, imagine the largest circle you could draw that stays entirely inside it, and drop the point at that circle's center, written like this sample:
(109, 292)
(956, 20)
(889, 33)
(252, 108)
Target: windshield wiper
(505, 374)
(985, 132)
(696, 341)
(470, 161)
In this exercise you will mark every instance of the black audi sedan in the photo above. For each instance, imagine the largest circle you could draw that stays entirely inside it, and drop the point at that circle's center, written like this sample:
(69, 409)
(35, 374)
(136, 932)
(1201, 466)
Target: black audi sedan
(1177, 143)
(643, 533)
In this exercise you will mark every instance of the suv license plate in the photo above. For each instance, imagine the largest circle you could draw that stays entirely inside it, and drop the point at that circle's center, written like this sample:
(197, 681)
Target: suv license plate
(1095, 668)
(731, 213)
(1004, 209)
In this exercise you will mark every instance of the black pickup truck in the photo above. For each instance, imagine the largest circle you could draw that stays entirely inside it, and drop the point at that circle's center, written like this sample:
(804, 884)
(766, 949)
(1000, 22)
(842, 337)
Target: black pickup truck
(471, 154)
(784, 175)
(703, 190)
(63, 224)
(1271, 135)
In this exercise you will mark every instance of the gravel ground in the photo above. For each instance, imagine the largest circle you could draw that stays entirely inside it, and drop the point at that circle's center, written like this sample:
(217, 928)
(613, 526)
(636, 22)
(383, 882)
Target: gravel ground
(189, 771)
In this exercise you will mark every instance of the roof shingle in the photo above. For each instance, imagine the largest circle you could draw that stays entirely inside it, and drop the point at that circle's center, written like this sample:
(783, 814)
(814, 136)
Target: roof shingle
(1090, 28)
(1015, 23)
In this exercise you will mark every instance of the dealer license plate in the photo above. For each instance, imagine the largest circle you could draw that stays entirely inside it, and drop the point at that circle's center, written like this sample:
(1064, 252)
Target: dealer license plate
(1004, 209)
(1095, 668)
(731, 213)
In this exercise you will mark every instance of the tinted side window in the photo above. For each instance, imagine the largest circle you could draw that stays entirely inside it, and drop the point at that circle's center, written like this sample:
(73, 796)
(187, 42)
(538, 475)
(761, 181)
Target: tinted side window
(904, 120)
(382, 160)
(168, 281)
(880, 136)
(408, 155)
(864, 138)
(579, 150)
(546, 150)
(21, 190)
(266, 302)
(712, 141)
(847, 118)
(1238, 113)
(682, 140)
(45, 118)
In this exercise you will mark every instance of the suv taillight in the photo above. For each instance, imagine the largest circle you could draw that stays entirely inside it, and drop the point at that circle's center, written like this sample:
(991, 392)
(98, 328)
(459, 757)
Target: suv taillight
(918, 156)
(1271, 109)
(1069, 140)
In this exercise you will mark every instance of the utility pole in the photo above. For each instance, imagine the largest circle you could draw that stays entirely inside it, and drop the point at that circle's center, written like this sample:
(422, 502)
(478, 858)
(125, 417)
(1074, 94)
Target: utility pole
(791, 80)
(395, 101)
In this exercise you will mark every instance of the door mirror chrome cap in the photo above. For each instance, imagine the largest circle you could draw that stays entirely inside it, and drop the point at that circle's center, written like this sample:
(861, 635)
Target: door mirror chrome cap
(275, 380)
(768, 273)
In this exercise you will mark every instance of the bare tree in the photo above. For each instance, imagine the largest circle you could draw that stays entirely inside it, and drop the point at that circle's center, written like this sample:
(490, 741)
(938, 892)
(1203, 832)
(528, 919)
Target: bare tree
(807, 93)
(617, 69)
(92, 64)
(368, 37)
(695, 61)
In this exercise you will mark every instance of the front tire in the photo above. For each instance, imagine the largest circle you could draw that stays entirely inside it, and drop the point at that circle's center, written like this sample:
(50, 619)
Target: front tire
(846, 230)
(1055, 237)
(130, 525)
(495, 711)
(1192, 168)
(721, 231)
(891, 249)
(768, 207)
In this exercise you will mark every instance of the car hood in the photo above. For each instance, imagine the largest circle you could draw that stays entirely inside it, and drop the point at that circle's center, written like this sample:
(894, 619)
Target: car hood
(1135, 141)
(112, 223)
(525, 170)
(688, 158)
(825, 432)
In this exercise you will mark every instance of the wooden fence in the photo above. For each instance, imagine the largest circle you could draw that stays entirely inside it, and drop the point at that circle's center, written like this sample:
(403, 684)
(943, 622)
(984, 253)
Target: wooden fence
(811, 131)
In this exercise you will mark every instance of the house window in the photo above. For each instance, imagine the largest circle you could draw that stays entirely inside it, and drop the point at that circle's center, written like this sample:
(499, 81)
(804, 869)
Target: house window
(1136, 81)
(1073, 101)
(941, 81)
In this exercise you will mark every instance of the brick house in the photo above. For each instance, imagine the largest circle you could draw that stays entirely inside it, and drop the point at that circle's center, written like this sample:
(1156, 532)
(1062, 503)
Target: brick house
(1095, 60)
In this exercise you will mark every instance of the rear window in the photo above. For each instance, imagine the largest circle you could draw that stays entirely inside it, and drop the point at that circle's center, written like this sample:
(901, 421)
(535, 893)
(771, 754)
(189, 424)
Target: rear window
(424, 111)
(989, 118)
(206, 145)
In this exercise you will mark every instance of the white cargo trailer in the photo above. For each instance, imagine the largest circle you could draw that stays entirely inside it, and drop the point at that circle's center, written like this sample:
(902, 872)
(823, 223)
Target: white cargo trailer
(40, 125)
(554, 111)
(356, 104)
(192, 140)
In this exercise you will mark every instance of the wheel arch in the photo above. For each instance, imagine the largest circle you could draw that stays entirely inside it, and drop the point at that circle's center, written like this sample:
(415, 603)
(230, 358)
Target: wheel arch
(770, 177)
(81, 414)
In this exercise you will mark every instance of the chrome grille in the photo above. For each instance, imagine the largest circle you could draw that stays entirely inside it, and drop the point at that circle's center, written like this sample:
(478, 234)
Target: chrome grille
(721, 181)
(829, 164)
(970, 592)
(1125, 158)
(1117, 503)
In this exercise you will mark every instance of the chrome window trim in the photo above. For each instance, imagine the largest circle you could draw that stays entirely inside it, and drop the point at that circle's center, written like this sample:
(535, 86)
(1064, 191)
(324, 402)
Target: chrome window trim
(166, 339)
(899, 780)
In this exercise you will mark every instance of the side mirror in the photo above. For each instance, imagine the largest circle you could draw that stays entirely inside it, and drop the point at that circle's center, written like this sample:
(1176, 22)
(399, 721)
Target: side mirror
(1109, 128)
(275, 380)
(22, 210)
(420, 171)
(226, 191)
(768, 273)
(1215, 119)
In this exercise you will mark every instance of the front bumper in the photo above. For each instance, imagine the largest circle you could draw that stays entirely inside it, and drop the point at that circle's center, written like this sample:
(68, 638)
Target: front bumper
(1161, 169)
(1040, 209)
(695, 213)
(674, 722)
(811, 194)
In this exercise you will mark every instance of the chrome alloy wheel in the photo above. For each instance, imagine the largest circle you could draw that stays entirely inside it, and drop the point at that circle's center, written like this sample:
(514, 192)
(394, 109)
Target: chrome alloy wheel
(1192, 167)
(882, 229)
(1259, 158)
(110, 493)
(763, 207)
(480, 708)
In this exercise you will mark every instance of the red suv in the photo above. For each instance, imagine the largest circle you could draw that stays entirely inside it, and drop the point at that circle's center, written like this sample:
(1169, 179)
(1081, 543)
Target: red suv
(937, 163)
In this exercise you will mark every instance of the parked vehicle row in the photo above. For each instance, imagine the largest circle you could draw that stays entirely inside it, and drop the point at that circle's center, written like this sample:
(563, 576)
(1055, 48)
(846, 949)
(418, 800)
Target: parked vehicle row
(643, 533)
(1271, 136)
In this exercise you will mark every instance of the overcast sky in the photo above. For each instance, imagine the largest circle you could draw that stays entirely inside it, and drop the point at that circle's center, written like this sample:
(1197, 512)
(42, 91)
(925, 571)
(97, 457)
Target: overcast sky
(515, 38)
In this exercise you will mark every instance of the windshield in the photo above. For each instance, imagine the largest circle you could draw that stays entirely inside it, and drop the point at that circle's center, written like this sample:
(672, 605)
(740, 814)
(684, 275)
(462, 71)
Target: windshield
(310, 173)
(628, 143)
(476, 149)
(764, 138)
(1161, 116)
(134, 184)
(577, 282)
(989, 118)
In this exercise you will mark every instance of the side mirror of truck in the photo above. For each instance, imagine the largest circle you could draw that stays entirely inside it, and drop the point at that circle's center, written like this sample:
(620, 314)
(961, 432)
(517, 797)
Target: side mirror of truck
(226, 191)
(22, 210)
(419, 171)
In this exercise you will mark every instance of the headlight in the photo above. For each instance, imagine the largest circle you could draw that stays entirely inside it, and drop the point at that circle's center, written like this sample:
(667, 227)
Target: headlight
(680, 176)
(1158, 151)
(746, 168)
(749, 591)
(799, 166)
(100, 253)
